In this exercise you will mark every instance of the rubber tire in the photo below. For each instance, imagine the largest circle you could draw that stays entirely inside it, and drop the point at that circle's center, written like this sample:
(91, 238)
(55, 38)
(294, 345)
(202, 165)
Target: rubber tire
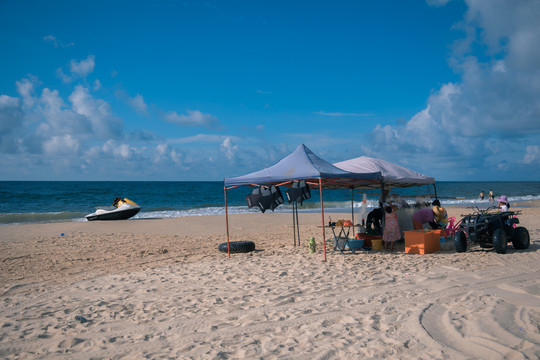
(521, 239)
(460, 241)
(500, 242)
(237, 246)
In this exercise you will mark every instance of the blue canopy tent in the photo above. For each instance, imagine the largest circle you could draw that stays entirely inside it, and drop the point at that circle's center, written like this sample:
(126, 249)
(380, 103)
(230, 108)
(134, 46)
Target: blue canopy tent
(303, 164)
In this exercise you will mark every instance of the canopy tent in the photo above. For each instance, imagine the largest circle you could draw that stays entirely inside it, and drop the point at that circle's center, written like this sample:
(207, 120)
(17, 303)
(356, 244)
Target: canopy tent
(303, 164)
(393, 175)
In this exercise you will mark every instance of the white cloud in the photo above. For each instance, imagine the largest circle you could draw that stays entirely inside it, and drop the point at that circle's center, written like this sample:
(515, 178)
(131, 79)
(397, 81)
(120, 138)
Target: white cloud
(65, 78)
(97, 111)
(533, 155)
(83, 68)
(10, 113)
(165, 153)
(26, 88)
(11, 121)
(61, 145)
(138, 104)
(55, 42)
(193, 118)
(497, 97)
(228, 148)
(202, 139)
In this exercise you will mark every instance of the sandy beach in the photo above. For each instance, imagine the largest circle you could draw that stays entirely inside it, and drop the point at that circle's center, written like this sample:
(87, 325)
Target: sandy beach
(160, 289)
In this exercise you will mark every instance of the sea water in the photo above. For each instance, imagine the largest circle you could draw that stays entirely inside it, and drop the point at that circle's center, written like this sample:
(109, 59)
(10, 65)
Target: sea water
(50, 201)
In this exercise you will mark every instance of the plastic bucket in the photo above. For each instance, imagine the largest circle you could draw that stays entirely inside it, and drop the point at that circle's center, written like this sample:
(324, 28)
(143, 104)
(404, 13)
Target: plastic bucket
(356, 244)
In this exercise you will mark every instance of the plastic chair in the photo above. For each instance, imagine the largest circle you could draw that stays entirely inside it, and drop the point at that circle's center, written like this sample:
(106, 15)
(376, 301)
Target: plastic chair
(450, 227)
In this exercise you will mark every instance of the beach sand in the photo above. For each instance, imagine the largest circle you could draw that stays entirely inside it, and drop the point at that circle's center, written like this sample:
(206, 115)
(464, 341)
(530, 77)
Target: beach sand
(160, 289)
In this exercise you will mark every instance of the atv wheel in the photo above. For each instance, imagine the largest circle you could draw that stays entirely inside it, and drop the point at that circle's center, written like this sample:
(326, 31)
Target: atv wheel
(460, 241)
(499, 241)
(521, 239)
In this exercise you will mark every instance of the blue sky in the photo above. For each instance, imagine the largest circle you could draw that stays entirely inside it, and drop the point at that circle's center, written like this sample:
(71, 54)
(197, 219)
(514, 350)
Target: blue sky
(193, 90)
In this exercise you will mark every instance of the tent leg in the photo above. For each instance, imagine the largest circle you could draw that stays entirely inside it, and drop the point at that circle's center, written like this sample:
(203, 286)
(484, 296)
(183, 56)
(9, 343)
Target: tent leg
(227, 223)
(293, 226)
(322, 218)
(297, 224)
(352, 210)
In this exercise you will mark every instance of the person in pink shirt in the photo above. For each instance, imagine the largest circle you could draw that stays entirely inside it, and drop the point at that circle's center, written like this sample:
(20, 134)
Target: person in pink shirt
(426, 216)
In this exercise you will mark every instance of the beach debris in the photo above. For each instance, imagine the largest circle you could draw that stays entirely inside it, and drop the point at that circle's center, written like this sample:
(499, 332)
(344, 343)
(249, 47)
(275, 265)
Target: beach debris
(81, 319)
(60, 234)
(312, 245)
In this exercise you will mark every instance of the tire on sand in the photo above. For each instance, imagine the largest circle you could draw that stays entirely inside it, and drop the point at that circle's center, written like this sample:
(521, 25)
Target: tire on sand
(460, 241)
(500, 242)
(521, 239)
(237, 246)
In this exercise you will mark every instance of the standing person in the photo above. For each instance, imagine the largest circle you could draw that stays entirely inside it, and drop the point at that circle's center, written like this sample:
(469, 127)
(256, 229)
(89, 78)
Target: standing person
(491, 195)
(375, 217)
(391, 233)
(481, 195)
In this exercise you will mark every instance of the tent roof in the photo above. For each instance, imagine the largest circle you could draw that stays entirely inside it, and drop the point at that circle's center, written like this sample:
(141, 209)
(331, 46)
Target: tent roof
(303, 164)
(393, 175)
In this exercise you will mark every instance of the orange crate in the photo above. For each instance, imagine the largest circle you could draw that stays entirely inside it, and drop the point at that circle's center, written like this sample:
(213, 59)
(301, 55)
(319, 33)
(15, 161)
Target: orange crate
(420, 242)
(440, 233)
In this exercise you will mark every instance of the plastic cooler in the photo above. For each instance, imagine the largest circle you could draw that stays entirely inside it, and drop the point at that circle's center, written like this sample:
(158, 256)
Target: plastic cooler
(420, 242)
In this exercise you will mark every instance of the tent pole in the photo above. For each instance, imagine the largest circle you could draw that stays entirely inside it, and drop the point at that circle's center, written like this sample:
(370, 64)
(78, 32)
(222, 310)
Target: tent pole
(322, 217)
(352, 210)
(297, 224)
(293, 225)
(227, 222)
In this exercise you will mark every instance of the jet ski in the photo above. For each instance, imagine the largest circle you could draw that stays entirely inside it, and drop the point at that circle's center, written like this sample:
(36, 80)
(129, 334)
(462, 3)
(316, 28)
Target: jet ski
(122, 209)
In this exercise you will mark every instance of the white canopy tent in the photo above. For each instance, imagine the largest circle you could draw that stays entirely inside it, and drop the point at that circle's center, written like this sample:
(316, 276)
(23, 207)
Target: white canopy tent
(393, 175)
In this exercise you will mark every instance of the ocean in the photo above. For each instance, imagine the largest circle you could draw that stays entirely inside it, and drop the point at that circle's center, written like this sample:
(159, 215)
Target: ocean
(23, 202)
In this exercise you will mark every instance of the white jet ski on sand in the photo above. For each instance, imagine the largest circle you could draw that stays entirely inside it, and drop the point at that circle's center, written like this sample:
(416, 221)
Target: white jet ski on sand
(122, 209)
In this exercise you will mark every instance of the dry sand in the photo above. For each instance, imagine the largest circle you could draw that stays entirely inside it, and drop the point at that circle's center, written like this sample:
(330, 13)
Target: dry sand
(159, 289)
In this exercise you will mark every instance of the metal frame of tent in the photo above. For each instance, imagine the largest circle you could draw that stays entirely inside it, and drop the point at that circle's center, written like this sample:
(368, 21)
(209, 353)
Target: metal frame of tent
(302, 164)
(320, 183)
(378, 175)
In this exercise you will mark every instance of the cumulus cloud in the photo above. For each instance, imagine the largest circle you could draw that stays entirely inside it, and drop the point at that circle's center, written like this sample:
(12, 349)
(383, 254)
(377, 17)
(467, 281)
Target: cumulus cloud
(82, 68)
(532, 155)
(193, 118)
(61, 145)
(98, 112)
(11, 118)
(228, 148)
(496, 98)
(202, 139)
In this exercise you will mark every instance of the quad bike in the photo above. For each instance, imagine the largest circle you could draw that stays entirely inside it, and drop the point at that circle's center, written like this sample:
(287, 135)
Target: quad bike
(491, 229)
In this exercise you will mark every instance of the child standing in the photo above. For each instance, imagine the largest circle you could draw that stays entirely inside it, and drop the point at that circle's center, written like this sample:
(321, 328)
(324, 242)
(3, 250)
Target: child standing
(391, 233)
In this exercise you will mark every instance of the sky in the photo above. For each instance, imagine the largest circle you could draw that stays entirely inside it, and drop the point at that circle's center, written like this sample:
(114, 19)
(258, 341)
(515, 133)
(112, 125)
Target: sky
(203, 90)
